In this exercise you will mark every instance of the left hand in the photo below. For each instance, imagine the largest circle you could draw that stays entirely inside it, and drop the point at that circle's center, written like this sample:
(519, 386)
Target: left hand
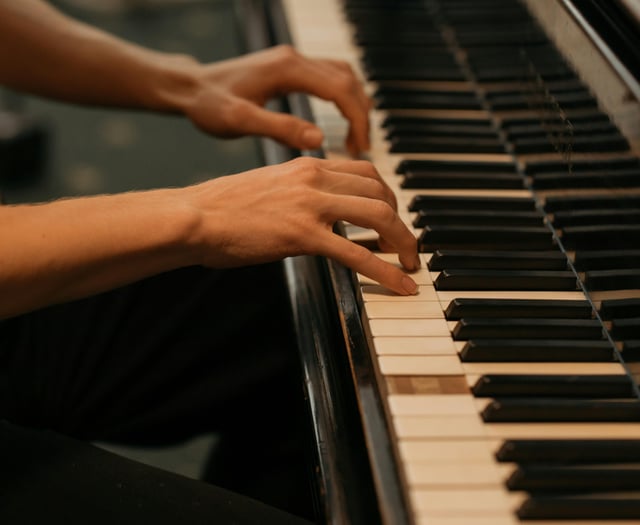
(230, 95)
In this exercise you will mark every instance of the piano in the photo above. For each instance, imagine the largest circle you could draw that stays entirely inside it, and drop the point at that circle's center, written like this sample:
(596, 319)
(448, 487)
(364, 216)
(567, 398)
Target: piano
(506, 391)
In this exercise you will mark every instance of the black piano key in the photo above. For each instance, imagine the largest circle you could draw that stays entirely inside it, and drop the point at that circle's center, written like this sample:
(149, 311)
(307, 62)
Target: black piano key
(497, 260)
(560, 127)
(625, 328)
(597, 202)
(523, 126)
(578, 144)
(523, 308)
(437, 236)
(416, 165)
(536, 350)
(620, 308)
(613, 179)
(450, 128)
(569, 218)
(519, 100)
(558, 479)
(577, 166)
(560, 386)
(569, 451)
(506, 280)
(534, 410)
(606, 259)
(393, 98)
(523, 328)
(607, 236)
(548, 507)
(446, 145)
(485, 218)
(420, 202)
(599, 280)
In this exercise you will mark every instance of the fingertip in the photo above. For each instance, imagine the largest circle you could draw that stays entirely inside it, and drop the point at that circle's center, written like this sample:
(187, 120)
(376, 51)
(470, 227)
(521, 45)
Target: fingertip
(311, 138)
(409, 285)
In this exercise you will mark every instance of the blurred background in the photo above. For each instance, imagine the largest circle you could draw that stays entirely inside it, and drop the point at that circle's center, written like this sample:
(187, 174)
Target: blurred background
(60, 150)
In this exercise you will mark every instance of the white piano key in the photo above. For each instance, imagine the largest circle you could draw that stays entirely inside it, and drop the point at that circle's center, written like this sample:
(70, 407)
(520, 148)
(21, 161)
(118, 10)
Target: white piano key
(447, 297)
(430, 365)
(421, 277)
(432, 404)
(462, 451)
(458, 475)
(461, 427)
(409, 327)
(414, 345)
(470, 502)
(375, 292)
(402, 310)
(419, 365)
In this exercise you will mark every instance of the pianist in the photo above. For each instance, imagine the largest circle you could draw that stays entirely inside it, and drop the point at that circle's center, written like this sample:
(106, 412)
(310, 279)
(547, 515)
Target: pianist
(148, 317)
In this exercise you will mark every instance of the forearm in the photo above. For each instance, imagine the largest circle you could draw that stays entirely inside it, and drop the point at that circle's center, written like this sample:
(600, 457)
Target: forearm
(52, 253)
(46, 53)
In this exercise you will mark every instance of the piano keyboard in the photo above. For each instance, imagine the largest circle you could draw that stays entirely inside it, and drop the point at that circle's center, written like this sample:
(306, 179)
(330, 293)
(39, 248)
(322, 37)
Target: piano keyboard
(509, 380)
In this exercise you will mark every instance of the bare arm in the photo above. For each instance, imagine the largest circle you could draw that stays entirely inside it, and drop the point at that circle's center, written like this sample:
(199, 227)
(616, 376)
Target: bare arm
(42, 51)
(51, 253)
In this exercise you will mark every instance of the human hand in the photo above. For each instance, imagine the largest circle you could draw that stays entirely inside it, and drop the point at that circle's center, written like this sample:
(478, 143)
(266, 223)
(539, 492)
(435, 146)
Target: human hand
(290, 209)
(230, 95)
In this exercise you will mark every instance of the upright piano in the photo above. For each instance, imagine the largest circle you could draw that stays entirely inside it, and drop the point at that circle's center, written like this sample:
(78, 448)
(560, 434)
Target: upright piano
(506, 391)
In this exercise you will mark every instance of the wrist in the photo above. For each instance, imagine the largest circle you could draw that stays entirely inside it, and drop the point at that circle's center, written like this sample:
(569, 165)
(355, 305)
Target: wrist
(174, 83)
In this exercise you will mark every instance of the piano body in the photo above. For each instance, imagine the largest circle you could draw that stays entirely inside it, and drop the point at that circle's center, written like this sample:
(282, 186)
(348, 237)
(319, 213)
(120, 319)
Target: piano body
(506, 391)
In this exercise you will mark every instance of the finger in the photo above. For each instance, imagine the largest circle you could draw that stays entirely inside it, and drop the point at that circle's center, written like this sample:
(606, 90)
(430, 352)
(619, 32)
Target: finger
(366, 263)
(364, 169)
(322, 79)
(287, 129)
(376, 215)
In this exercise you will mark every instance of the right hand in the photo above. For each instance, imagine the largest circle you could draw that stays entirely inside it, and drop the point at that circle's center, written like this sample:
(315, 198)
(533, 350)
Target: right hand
(290, 209)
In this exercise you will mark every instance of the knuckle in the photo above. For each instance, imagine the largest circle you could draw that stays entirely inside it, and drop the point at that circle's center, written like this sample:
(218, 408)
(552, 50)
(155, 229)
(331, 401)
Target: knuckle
(383, 211)
(285, 54)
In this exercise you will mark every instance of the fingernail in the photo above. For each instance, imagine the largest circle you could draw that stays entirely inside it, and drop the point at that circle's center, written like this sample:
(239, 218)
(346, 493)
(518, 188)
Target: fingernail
(312, 137)
(409, 285)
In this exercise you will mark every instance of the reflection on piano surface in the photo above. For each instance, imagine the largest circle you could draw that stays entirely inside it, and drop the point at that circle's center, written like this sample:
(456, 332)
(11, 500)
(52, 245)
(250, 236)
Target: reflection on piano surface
(508, 387)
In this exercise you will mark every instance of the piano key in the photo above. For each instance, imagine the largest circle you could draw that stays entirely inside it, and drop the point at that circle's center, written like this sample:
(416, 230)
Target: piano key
(409, 327)
(625, 328)
(612, 279)
(407, 345)
(531, 350)
(588, 144)
(513, 328)
(463, 427)
(388, 98)
(594, 202)
(576, 507)
(500, 101)
(535, 385)
(417, 180)
(563, 219)
(518, 308)
(490, 259)
(608, 236)
(410, 365)
(446, 145)
(534, 167)
(606, 259)
(456, 166)
(506, 280)
(628, 178)
(402, 310)
(559, 479)
(471, 203)
(620, 308)
(437, 237)
(477, 218)
(563, 410)
(568, 451)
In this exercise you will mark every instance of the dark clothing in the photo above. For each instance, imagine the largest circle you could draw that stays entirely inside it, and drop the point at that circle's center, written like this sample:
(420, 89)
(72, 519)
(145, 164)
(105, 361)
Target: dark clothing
(188, 352)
